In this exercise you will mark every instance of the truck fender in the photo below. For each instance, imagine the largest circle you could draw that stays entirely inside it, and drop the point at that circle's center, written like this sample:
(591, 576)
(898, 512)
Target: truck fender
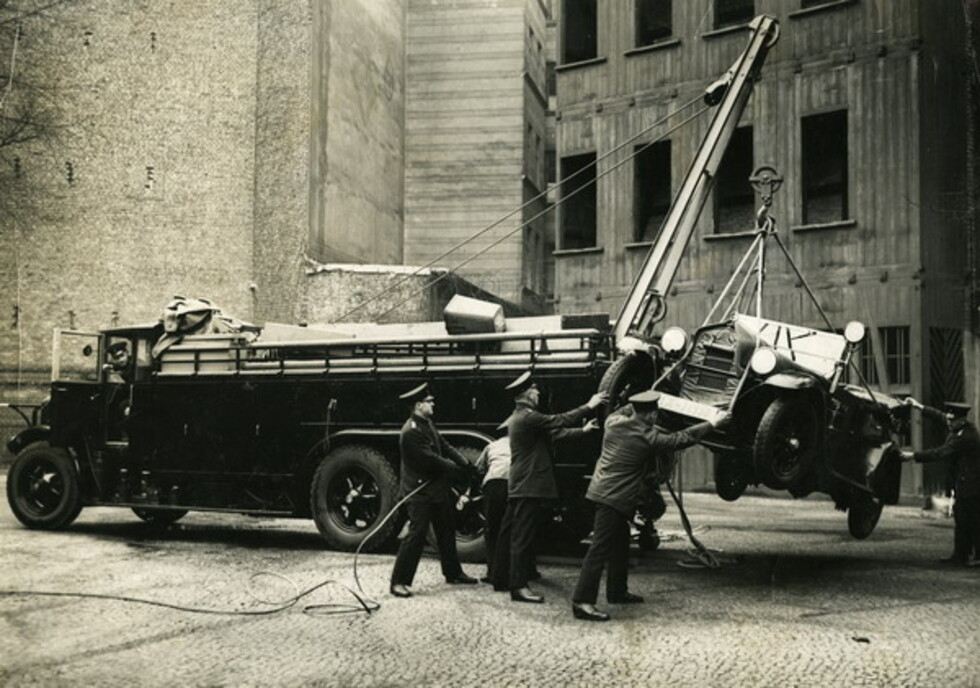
(26, 436)
(789, 381)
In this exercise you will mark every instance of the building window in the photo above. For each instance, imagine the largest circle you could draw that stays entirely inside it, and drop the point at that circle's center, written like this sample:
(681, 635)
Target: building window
(733, 12)
(653, 21)
(651, 189)
(896, 357)
(824, 159)
(579, 31)
(578, 202)
(734, 197)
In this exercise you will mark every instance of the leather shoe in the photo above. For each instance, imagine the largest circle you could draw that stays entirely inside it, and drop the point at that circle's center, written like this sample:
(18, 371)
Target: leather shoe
(955, 560)
(525, 595)
(399, 590)
(588, 612)
(462, 579)
(626, 598)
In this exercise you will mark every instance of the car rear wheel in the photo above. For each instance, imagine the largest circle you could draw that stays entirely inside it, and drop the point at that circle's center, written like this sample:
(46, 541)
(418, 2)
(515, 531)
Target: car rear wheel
(43, 487)
(786, 442)
(354, 489)
(731, 477)
(160, 517)
(863, 515)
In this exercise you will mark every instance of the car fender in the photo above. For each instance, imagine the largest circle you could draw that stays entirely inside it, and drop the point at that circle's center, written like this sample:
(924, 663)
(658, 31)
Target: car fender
(26, 436)
(789, 381)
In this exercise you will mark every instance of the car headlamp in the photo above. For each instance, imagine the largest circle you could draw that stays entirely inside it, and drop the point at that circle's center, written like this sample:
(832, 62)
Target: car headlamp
(763, 361)
(674, 340)
(854, 331)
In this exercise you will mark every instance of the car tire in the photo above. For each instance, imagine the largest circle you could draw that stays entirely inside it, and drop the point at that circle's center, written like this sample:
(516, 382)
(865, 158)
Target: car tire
(354, 489)
(863, 515)
(159, 517)
(471, 545)
(731, 477)
(43, 487)
(786, 442)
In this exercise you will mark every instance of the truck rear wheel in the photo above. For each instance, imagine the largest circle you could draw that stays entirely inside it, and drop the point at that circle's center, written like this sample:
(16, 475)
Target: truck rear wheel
(471, 544)
(353, 490)
(42, 487)
(159, 517)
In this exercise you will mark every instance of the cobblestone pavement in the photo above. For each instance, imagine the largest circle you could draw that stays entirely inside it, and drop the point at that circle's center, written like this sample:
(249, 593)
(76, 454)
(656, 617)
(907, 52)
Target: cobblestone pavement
(796, 602)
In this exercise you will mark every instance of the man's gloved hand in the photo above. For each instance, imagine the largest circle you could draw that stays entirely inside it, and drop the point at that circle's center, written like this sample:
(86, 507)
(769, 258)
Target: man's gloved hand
(906, 455)
(591, 426)
(722, 421)
(598, 399)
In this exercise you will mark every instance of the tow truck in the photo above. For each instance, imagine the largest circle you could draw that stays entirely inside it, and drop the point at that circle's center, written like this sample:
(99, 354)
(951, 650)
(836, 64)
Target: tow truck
(201, 412)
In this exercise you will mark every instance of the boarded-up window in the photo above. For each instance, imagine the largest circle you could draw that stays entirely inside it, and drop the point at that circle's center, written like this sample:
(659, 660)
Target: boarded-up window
(734, 197)
(579, 31)
(733, 12)
(653, 21)
(578, 202)
(824, 156)
(651, 188)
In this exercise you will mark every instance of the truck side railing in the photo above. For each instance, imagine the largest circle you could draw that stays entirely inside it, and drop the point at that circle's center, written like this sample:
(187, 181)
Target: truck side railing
(234, 355)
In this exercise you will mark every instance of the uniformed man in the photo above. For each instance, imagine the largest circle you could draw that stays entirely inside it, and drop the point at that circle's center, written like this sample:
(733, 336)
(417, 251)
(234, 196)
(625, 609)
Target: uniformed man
(531, 481)
(962, 448)
(427, 458)
(632, 448)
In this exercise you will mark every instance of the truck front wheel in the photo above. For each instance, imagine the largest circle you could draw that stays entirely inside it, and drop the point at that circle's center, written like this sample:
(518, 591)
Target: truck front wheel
(42, 487)
(353, 490)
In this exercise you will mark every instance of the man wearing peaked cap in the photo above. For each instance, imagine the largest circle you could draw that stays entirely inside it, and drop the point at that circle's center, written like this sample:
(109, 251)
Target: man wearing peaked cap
(962, 449)
(531, 481)
(428, 464)
(632, 447)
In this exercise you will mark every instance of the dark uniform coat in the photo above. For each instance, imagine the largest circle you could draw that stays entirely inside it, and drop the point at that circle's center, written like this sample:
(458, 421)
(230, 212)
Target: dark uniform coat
(629, 448)
(427, 456)
(531, 464)
(962, 448)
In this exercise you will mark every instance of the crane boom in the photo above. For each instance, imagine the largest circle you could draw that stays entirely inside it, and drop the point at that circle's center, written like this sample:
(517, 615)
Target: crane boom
(645, 304)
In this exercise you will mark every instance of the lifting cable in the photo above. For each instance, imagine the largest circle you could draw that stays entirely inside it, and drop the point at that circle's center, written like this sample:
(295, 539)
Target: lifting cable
(364, 602)
(527, 222)
(528, 203)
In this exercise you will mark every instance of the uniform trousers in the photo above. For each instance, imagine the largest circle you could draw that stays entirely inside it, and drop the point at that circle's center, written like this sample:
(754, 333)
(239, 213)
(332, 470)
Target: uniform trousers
(442, 517)
(610, 549)
(966, 533)
(514, 556)
(494, 507)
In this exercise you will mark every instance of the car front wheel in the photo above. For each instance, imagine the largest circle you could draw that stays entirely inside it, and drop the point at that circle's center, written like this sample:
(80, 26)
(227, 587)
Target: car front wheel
(786, 442)
(43, 488)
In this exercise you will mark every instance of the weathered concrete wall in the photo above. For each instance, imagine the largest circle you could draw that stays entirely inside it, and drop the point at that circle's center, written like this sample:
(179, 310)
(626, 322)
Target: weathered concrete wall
(147, 191)
(357, 137)
(283, 157)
